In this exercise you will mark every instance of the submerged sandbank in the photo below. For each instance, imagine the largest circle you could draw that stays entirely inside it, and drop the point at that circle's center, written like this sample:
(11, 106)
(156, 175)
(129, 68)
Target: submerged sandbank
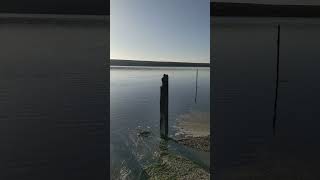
(193, 124)
(193, 130)
(170, 165)
(199, 143)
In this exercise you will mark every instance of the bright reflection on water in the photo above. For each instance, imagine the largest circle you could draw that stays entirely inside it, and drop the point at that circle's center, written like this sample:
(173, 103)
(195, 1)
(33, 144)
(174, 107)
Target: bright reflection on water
(135, 104)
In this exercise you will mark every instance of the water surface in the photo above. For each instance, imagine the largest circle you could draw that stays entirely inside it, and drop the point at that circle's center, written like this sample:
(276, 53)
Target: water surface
(135, 104)
(53, 98)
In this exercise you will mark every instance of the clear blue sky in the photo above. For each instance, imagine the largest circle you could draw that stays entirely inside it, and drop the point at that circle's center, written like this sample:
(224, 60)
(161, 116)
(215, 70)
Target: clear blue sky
(160, 30)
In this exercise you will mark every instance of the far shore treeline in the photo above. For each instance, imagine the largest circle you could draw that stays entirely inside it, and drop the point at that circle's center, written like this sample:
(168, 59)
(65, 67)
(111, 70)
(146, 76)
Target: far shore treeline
(115, 62)
(68, 7)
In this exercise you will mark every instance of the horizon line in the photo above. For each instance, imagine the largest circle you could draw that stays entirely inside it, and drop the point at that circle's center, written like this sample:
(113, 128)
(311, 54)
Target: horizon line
(160, 61)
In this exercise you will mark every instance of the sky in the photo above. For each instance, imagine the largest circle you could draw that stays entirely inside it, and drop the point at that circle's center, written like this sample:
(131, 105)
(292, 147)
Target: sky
(160, 30)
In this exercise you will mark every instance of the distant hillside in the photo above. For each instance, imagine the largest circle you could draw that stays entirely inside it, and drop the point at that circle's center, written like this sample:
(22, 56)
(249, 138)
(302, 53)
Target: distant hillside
(263, 10)
(115, 62)
(84, 7)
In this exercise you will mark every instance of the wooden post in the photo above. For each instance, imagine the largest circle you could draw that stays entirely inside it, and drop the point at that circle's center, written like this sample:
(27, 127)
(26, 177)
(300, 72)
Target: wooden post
(277, 84)
(195, 97)
(164, 107)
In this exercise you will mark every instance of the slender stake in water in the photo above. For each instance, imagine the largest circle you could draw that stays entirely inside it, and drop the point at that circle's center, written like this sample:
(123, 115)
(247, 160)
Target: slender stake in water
(277, 84)
(195, 98)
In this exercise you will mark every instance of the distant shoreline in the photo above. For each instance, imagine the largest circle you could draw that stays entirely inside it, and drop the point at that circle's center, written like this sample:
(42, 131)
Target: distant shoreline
(114, 62)
(8, 18)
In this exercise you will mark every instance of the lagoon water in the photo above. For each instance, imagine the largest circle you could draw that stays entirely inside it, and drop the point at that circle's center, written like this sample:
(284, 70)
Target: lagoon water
(245, 61)
(53, 97)
(135, 104)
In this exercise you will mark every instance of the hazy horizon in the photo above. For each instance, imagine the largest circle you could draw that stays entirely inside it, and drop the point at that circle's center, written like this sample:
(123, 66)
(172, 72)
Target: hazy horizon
(167, 30)
(172, 60)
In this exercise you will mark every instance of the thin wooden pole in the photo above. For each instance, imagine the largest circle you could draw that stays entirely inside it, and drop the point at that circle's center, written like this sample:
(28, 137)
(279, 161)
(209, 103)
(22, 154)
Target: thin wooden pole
(164, 103)
(195, 98)
(277, 84)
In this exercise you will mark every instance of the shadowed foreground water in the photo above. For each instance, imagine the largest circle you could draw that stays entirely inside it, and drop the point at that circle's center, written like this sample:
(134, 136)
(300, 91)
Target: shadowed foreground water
(53, 99)
(244, 82)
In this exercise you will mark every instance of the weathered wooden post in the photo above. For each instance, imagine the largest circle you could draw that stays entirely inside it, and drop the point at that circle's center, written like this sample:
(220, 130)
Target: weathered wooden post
(277, 84)
(195, 97)
(164, 102)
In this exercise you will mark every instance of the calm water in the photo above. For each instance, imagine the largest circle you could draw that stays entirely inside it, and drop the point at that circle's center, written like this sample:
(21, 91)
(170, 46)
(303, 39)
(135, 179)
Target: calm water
(244, 94)
(53, 99)
(135, 104)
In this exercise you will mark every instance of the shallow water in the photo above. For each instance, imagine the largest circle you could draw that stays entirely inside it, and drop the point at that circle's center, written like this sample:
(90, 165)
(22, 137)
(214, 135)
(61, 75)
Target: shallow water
(135, 104)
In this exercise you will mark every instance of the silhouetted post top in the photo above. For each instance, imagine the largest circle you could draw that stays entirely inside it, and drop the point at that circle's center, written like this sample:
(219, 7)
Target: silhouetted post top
(165, 79)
